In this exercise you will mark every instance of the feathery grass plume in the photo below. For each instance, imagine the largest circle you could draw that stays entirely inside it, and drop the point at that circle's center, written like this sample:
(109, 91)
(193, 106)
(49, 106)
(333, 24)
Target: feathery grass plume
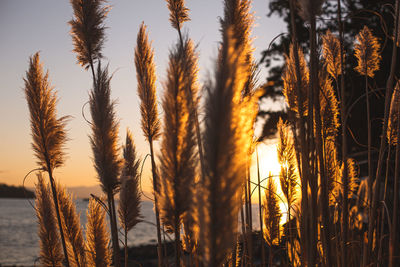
(352, 174)
(333, 170)
(72, 228)
(288, 175)
(97, 238)
(190, 225)
(178, 13)
(309, 8)
(178, 155)
(146, 77)
(331, 54)
(272, 214)
(50, 244)
(289, 78)
(329, 107)
(129, 196)
(227, 141)
(104, 142)
(393, 116)
(104, 139)
(87, 30)
(367, 52)
(48, 131)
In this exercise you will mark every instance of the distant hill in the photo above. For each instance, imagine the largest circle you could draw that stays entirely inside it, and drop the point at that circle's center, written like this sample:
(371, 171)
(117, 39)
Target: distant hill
(9, 191)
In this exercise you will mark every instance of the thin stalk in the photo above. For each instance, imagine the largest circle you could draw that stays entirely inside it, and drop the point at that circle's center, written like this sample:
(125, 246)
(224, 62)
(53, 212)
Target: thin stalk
(246, 205)
(393, 233)
(306, 231)
(260, 212)
(243, 235)
(345, 220)
(126, 247)
(114, 231)
(55, 199)
(155, 185)
(177, 244)
(250, 233)
(382, 148)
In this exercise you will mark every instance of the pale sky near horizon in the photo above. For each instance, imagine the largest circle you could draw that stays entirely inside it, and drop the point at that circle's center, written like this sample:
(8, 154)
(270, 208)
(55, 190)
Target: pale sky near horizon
(41, 25)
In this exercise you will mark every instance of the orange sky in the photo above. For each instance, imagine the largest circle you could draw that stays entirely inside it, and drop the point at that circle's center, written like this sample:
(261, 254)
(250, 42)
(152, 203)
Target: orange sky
(41, 25)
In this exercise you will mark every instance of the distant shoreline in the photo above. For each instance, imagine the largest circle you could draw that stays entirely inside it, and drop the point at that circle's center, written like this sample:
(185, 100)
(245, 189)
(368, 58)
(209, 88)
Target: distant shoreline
(9, 191)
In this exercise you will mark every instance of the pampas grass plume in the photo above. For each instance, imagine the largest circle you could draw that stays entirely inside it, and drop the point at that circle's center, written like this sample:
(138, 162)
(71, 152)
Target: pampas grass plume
(50, 245)
(48, 131)
(178, 13)
(367, 52)
(272, 214)
(393, 116)
(331, 54)
(72, 227)
(290, 78)
(97, 238)
(87, 30)
(146, 78)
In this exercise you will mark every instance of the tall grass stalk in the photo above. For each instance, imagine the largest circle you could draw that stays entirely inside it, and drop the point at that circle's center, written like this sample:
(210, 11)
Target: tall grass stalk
(48, 131)
(260, 213)
(146, 78)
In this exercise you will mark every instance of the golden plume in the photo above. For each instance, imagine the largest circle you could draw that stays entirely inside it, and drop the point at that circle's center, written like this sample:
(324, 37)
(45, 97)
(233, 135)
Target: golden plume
(331, 54)
(50, 244)
(104, 133)
(129, 196)
(333, 172)
(228, 136)
(178, 13)
(87, 30)
(178, 155)
(394, 116)
(329, 107)
(48, 131)
(271, 215)
(367, 52)
(290, 79)
(72, 227)
(146, 78)
(97, 238)
(288, 175)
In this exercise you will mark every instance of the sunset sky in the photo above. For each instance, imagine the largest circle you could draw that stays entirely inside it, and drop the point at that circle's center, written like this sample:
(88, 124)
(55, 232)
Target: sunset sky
(41, 25)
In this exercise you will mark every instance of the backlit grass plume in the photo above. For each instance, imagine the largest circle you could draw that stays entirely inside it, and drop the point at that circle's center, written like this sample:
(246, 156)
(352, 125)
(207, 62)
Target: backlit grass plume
(393, 116)
(87, 30)
(329, 107)
(288, 175)
(331, 54)
(146, 79)
(272, 214)
(72, 228)
(48, 131)
(352, 174)
(104, 138)
(290, 79)
(178, 13)
(227, 140)
(178, 155)
(97, 237)
(367, 52)
(50, 244)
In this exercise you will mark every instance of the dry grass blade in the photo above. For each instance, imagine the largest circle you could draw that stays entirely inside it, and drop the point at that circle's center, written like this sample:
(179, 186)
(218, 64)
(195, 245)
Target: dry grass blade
(178, 13)
(227, 137)
(146, 78)
(272, 214)
(87, 30)
(178, 143)
(97, 238)
(290, 81)
(331, 54)
(48, 131)
(393, 116)
(104, 139)
(367, 52)
(72, 227)
(50, 244)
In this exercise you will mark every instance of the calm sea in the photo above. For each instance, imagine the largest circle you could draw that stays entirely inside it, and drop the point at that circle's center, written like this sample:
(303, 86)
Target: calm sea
(19, 243)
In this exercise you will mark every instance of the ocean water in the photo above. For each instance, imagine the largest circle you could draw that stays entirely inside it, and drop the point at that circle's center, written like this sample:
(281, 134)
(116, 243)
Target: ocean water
(19, 242)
